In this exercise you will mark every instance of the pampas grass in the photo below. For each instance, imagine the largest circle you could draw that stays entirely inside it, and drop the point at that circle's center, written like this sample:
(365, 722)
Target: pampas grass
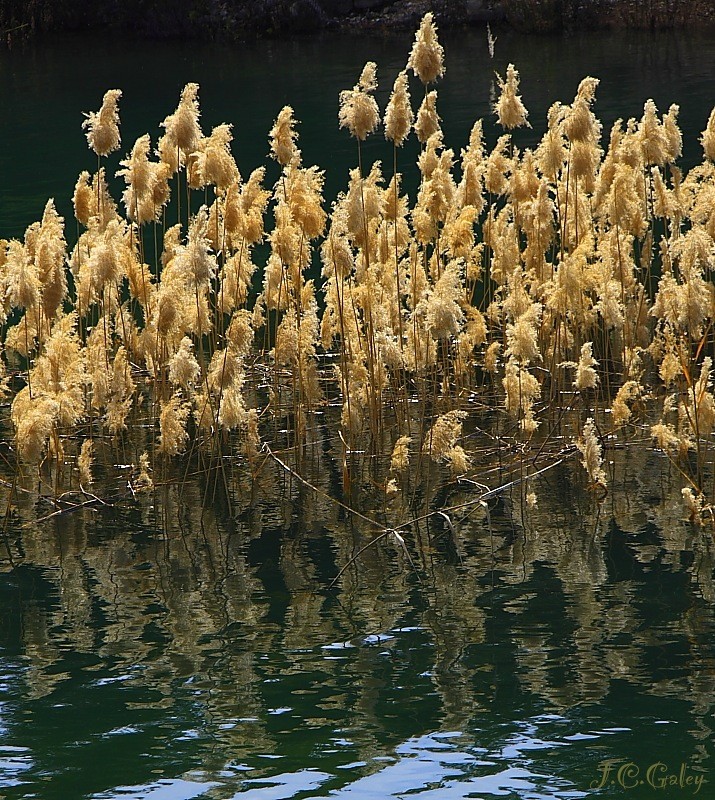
(543, 287)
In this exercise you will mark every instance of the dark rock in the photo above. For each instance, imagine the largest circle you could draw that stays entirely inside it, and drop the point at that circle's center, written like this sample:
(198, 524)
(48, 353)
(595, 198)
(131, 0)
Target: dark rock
(299, 16)
(370, 5)
(234, 19)
(342, 8)
(337, 8)
(479, 11)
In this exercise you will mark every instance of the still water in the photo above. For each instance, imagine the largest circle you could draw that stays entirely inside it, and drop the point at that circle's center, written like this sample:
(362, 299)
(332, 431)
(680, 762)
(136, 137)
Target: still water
(177, 646)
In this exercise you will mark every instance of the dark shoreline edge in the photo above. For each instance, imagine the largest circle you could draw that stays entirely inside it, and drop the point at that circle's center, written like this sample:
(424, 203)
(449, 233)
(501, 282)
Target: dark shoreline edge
(236, 20)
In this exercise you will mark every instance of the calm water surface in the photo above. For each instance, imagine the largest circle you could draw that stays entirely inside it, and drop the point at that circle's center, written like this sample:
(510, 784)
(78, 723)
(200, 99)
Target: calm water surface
(45, 89)
(177, 647)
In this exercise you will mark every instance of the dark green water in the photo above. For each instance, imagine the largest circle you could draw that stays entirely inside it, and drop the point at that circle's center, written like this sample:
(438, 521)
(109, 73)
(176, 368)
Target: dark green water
(169, 649)
(163, 650)
(45, 89)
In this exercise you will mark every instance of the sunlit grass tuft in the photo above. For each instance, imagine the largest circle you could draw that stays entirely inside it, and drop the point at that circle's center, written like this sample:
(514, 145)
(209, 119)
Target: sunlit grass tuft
(565, 293)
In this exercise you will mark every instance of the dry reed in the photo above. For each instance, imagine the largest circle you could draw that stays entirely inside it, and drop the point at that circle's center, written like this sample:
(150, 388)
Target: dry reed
(577, 276)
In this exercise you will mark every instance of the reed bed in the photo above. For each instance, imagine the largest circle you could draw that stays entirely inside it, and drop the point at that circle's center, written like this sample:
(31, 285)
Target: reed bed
(523, 307)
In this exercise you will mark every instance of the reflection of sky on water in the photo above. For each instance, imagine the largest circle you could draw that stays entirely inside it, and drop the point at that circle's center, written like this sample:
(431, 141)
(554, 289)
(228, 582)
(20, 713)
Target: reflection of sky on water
(438, 765)
(442, 765)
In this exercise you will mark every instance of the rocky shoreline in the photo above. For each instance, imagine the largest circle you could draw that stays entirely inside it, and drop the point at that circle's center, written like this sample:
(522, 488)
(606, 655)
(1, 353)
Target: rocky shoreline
(242, 19)
(387, 14)
(526, 15)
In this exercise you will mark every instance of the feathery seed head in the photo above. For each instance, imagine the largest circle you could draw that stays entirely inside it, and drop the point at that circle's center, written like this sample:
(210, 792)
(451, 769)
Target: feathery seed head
(395, 205)
(337, 256)
(398, 114)
(92, 199)
(240, 331)
(498, 167)
(139, 177)
(511, 112)
(522, 336)
(551, 152)
(443, 434)
(428, 159)
(673, 135)
(172, 424)
(358, 109)
(652, 136)
(253, 201)
(103, 125)
(693, 504)
(443, 313)
(587, 89)
(305, 200)
(34, 419)
(198, 263)
(475, 148)
(50, 258)
(625, 204)
(665, 436)
(184, 369)
(586, 377)
(427, 123)
(168, 154)
(182, 128)
(427, 56)
(213, 164)
(232, 411)
(283, 137)
(470, 189)
(136, 171)
(151, 207)
(491, 357)
(459, 233)
(524, 183)
(620, 410)
(363, 204)
(23, 282)
(82, 199)
(708, 138)
(580, 124)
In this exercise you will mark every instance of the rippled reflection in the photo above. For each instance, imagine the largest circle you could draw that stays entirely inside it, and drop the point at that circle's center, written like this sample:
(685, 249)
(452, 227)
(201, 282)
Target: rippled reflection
(167, 649)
